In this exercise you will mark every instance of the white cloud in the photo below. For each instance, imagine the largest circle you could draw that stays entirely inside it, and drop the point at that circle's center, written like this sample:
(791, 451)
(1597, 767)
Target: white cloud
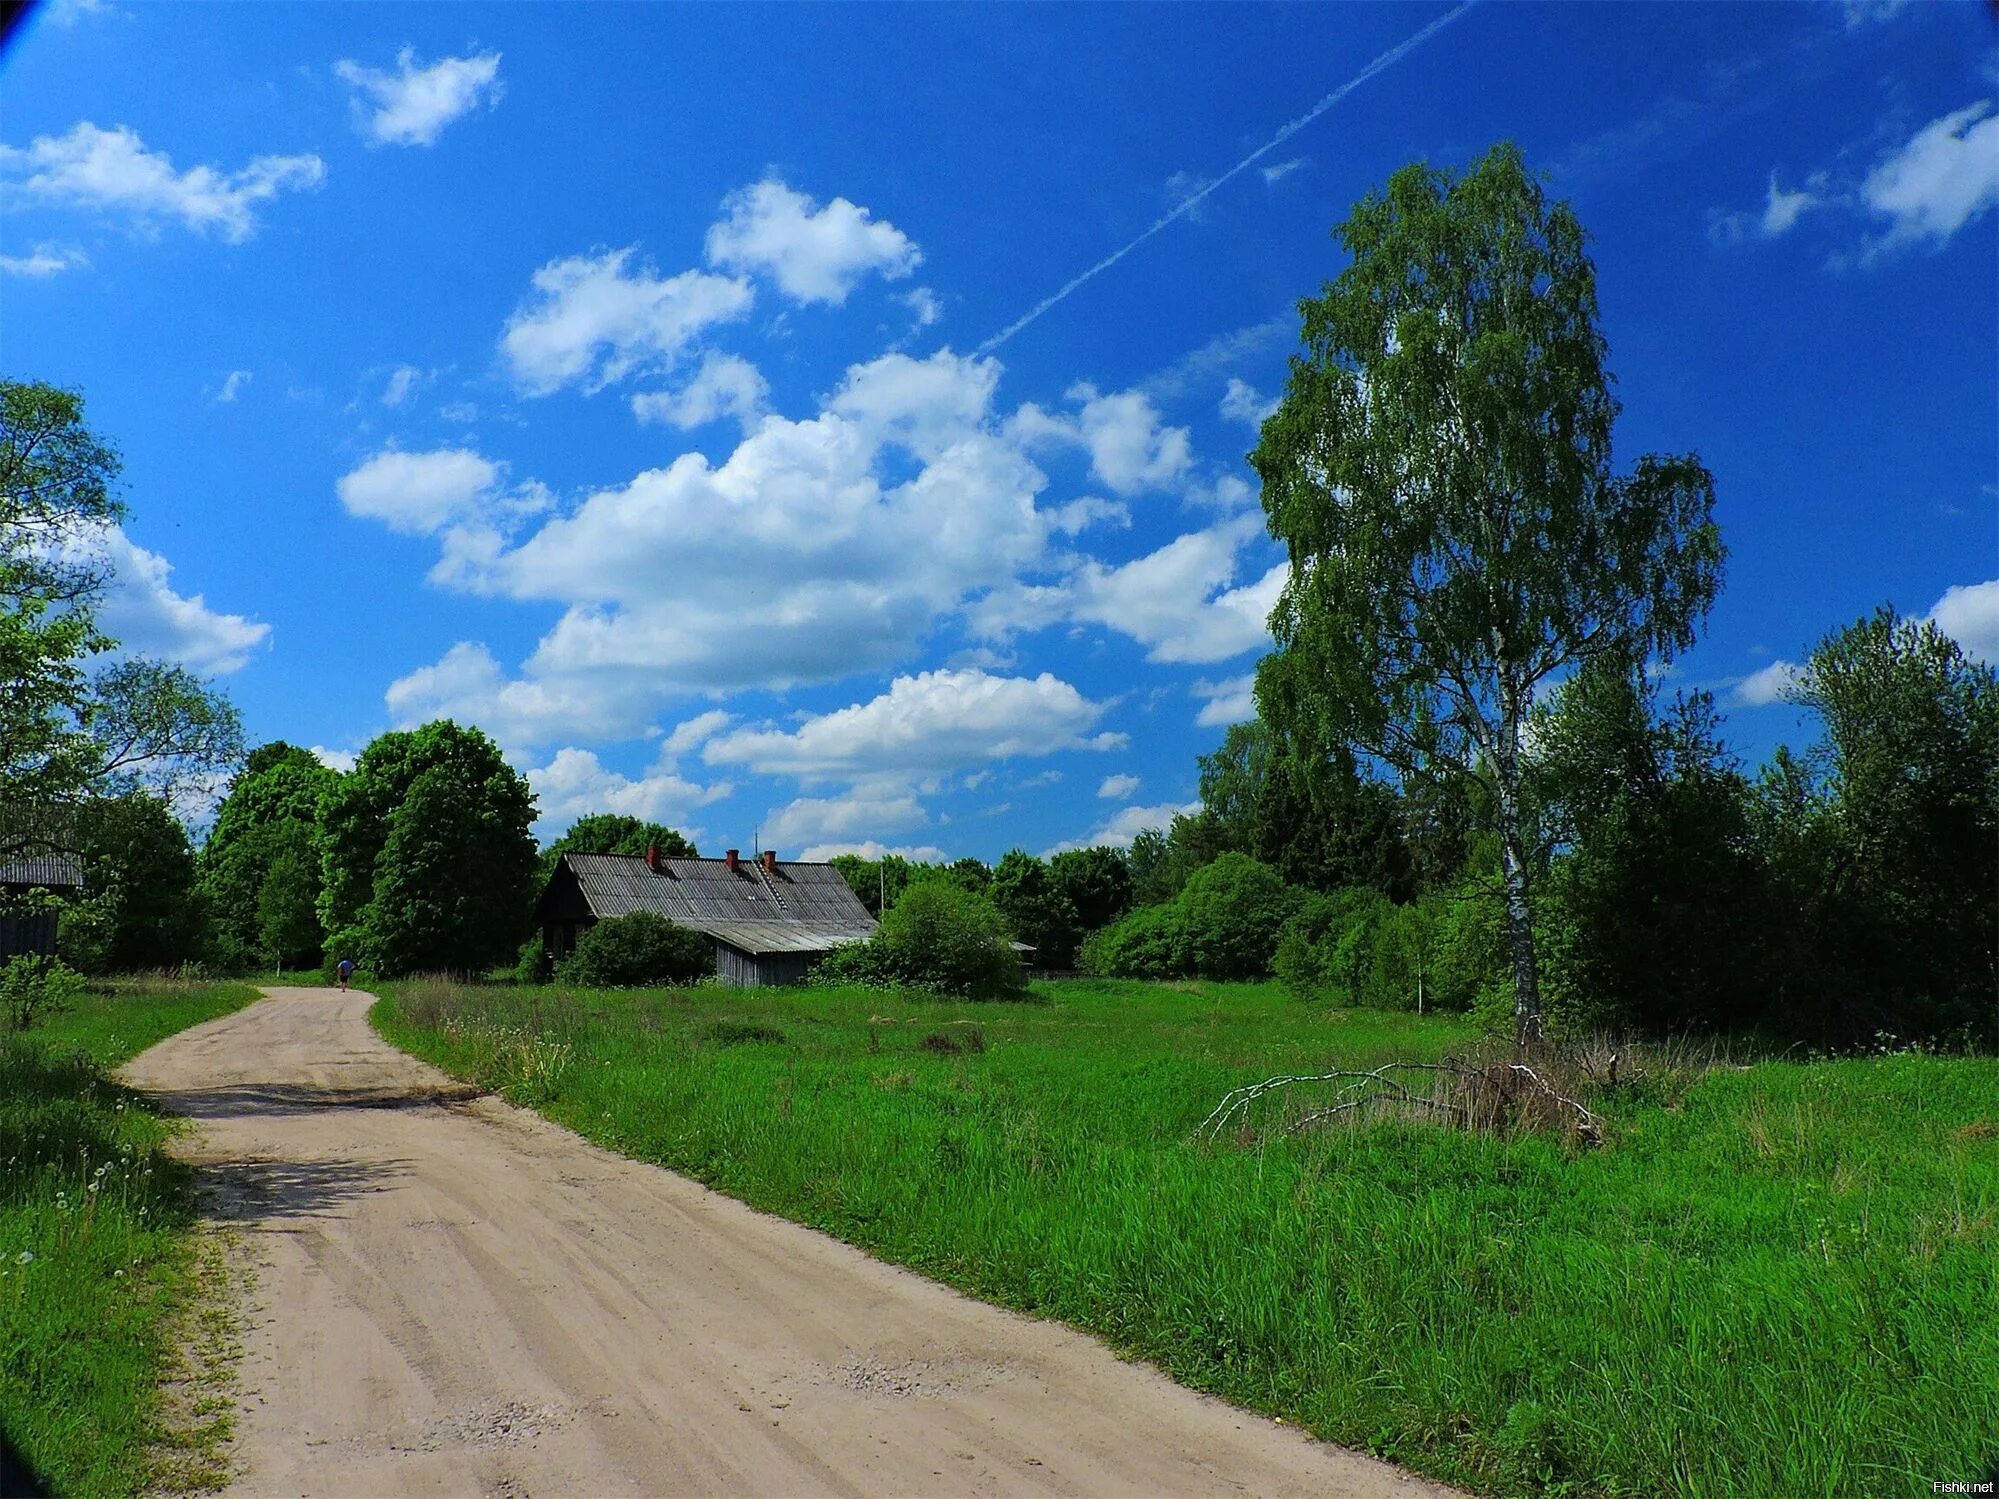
(575, 783)
(925, 405)
(44, 261)
(112, 171)
(1080, 515)
(336, 759)
(1782, 210)
(1230, 701)
(67, 13)
(419, 494)
(141, 611)
(402, 383)
(1766, 685)
(467, 684)
(1275, 174)
(724, 386)
(695, 732)
(1944, 178)
(591, 320)
(1130, 448)
(929, 724)
(1243, 402)
(818, 820)
(821, 853)
(1177, 601)
(814, 254)
(1969, 614)
(232, 386)
(411, 106)
(1118, 787)
(924, 306)
(1125, 824)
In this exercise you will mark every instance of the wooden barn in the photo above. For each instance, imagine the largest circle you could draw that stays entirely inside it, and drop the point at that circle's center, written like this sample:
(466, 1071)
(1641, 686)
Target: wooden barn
(770, 921)
(24, 929)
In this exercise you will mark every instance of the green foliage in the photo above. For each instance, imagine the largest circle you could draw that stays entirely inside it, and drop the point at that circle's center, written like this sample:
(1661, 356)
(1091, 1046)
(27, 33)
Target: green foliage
(637, 949)
(140, 908)
(1096, 882)
(269, 816)
(938, 936)
(33, 988)
(616, 833)
(426, 858)
(879, 883)
(1037, 908)
(536, 964)
(288, 911)
(1143, 944)
(1778, 1280)
(1440, 473)
(1224, 924)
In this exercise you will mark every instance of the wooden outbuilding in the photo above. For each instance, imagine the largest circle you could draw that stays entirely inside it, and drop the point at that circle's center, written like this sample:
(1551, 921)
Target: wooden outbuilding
(28, 926)
(770, 920)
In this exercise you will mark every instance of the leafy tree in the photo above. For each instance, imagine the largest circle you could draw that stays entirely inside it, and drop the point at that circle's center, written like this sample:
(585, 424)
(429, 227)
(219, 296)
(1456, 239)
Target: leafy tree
(1145, 943)
(1096, 882)
(271, 813)
(140, 908)
(616, 833)
(1890, 846)
(1231, 914)
(288, 909)
(877, 883)
(637, 949)
(426, 858)
(1036, 907)
(1440, 474)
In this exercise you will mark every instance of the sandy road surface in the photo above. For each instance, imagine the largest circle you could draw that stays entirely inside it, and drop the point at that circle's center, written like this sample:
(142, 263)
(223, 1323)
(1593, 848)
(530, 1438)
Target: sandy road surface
(455, 1297)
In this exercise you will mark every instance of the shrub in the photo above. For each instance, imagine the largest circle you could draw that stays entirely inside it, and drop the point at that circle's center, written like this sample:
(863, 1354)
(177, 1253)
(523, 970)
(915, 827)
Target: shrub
(637, 949)
(536, 965)
(1231, 913)
(33, 988)
(1145, 944)
(937, 936)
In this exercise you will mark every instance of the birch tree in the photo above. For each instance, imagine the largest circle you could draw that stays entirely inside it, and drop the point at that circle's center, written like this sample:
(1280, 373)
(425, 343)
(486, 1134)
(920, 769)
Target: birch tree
(1440, 473)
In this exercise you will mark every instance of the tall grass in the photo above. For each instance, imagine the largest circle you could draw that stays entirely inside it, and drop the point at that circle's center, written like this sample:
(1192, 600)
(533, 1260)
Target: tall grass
(1781, 1279)
(96, 1259)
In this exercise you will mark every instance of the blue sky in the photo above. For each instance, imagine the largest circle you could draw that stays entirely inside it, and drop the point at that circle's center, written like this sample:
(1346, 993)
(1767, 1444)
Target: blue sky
(624, 379)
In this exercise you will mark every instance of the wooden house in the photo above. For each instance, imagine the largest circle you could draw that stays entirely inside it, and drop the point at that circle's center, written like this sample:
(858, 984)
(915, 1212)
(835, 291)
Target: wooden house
(770, 921)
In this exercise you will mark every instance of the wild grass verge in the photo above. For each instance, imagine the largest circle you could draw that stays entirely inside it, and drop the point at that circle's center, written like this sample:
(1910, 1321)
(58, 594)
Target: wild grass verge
(1775, 1279)
(100, 1275)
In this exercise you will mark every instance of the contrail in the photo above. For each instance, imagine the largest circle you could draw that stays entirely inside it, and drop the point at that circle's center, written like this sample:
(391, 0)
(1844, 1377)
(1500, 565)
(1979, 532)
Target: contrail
(1381, 64)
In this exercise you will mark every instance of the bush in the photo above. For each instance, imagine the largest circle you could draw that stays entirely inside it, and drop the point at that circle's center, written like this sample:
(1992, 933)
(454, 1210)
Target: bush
(1145, 944)
(536, 965)
(34, 988)
(637, 949)
(937, 936)
(1231, 913)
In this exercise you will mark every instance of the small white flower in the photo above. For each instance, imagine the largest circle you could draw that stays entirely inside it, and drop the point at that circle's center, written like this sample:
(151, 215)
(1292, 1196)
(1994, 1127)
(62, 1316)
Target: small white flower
(25, 1257)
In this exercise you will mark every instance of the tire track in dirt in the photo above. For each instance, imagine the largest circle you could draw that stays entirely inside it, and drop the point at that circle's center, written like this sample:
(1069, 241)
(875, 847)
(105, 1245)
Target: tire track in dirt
(454, 1296)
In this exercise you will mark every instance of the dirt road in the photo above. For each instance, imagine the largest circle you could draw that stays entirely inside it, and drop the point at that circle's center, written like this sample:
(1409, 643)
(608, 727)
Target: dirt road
(453, 1296)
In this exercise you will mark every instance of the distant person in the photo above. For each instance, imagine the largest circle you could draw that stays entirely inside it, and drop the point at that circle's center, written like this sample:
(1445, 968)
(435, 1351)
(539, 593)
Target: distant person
(345, 969)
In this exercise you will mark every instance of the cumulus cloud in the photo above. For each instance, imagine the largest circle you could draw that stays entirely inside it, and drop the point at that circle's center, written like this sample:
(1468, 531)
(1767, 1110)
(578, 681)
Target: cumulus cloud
(412, 105)
(468, 684)
(112, 172)
(575, 782)
(1969, 614)
(401, 384)
(1229, 701)
(929, 724)
(924, 306)
(143, 613)
(1117, 787)
(44, 261)
(1945, 177)
(419, 494)
(925, 853)
(1243, 402)
(336, 759)
(591, 320)
(232, 386)
(1768, 685)
(814, 254)
(1125, 824)
(724, 386)
(819, 820)
(1130, 447)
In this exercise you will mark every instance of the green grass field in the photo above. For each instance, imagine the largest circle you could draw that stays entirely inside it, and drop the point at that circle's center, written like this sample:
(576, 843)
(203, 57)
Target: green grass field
(98, 1268)
(1780, 1280)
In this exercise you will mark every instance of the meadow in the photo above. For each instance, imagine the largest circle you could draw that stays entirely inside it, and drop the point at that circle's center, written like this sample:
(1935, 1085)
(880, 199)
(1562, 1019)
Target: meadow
(1779, 1279)
(100, 1274)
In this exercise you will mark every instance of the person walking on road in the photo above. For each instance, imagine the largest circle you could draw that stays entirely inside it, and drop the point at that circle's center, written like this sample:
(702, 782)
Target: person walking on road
(345, 970)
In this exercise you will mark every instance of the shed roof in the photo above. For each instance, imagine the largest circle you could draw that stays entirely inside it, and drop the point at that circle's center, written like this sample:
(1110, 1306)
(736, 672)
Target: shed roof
(46, 871)
(796, 908)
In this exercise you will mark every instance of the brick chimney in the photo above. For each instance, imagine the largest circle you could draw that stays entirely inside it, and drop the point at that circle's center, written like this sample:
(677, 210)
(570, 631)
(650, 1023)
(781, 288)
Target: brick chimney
(652, 857)
(730, 859)
(770, 861)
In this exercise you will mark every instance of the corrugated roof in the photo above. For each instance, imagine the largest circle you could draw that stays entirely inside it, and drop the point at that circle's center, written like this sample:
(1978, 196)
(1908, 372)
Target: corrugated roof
(784, 936)
(51, 871)
(704, 895)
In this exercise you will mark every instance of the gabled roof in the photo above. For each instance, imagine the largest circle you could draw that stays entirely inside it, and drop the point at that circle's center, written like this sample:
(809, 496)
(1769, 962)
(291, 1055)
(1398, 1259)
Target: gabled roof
(43, 870)
(798, 908)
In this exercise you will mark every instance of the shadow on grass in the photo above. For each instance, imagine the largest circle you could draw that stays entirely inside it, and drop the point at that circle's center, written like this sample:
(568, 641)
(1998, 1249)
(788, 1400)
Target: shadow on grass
(17, 1479)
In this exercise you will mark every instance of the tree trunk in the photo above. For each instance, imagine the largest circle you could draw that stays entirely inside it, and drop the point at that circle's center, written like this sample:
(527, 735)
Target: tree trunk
(1519, 914)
